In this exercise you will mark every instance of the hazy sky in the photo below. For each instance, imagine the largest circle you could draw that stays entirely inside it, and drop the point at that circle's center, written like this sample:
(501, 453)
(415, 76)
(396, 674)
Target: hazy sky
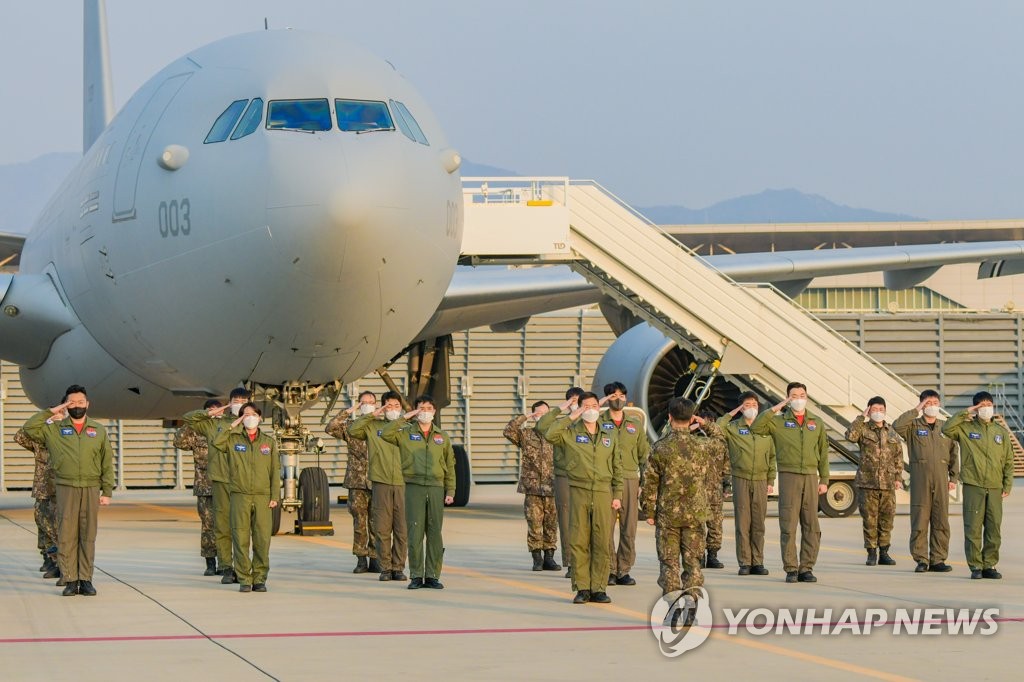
(912, 107)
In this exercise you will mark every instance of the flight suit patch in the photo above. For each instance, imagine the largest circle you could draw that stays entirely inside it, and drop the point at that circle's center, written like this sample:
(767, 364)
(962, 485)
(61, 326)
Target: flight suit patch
(379, 432)
(974, 436)
(91, 432)
(630, 428)
(744, 431)
(582, 439)
(789, 425)
(439, 440)
(265, 449)
(999, 439)
(811, 426)
(922, 432)
(67, 431)
(415, 436)
(607, 426)
(240, 448)
(607, 442)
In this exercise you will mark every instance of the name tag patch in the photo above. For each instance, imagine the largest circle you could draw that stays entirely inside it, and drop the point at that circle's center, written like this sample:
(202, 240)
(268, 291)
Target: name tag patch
(607, 426)
(974, 436)
(91, 432)
(744, 431)
(265, 449)
(439, 440)
(240, 448)
(67, 431)
(607, 442)
(922, 432)
(415, 436)
(582, 439)
(789, 425)
(630, 428)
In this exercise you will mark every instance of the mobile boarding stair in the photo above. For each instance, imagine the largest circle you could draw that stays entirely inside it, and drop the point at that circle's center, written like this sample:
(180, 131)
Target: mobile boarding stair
(763, 339)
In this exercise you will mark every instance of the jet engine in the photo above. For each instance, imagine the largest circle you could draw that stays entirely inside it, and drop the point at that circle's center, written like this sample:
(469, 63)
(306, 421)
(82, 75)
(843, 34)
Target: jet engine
(655, 370)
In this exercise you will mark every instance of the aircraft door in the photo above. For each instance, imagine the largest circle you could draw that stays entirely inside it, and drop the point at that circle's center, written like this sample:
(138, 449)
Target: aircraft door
(136, 143)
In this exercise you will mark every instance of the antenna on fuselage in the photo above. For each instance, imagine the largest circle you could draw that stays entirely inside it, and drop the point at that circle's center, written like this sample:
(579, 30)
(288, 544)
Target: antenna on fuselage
(97, 87)
(265, 26)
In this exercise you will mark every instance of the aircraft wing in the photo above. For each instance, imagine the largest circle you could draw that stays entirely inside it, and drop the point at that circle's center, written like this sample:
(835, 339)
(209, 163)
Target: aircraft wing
(505, 298)
(10, 248)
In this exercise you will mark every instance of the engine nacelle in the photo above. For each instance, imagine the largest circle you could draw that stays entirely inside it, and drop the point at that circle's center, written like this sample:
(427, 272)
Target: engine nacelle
(655, 370)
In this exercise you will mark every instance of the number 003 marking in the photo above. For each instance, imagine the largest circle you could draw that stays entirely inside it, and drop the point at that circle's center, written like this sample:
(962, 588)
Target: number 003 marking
(174, 218)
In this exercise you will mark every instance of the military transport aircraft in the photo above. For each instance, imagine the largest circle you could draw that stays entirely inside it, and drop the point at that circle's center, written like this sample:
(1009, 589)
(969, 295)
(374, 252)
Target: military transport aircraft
(282, 209)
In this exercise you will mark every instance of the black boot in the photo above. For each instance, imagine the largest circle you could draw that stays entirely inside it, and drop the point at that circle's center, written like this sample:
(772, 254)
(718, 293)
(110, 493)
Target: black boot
(712, 560)
(883, 557)
(538, 561)
(361, 566)
(54, 572)
(47, 564)
(872, 557)
(211, 566)
(71, 589)
(229, 576)
(549, 561)
(373, 566)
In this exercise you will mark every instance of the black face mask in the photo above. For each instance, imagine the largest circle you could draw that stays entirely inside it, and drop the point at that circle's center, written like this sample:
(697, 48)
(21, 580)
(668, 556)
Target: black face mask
(616, 403)
(76, 412)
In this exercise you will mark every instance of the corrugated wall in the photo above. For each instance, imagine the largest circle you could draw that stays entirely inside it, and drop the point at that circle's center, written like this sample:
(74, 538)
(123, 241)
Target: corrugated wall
(498, 375)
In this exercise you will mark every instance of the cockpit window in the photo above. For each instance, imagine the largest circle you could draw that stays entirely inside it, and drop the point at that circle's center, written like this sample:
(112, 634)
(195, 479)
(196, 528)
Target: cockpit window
(402, 113)
(299, 114)
(250, 119)
(357, 115)
(225, 122)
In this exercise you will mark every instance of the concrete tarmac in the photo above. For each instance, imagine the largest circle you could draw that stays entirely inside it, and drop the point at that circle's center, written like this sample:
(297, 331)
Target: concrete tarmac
(156, 616)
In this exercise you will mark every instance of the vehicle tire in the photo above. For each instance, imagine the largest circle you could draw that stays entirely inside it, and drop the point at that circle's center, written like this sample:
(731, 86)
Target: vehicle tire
(463, 477)
(275, 516)
(839, 500)
(315, 494)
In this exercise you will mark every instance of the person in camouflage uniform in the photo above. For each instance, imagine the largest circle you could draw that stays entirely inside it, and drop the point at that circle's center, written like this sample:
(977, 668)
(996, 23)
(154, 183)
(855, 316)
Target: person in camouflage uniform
(674, 495)
(878, 477)
(357, 481)
(718, 470)
(44, 491)
(187, 438)
(537, 483)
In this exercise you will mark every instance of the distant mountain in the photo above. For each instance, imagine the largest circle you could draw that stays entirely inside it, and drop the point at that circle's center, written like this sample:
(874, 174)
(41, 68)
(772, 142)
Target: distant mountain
(770, 206)
(26, 187)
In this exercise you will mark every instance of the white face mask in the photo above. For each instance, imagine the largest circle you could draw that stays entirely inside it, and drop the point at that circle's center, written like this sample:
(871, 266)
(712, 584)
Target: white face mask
(932, 411)
(251, 421)
(750, 413)
(590, 415)
(877, 417)
(236, 408)
(392, 415)
(986, 412)
(366, 408)
(798, 404)
(425, 417)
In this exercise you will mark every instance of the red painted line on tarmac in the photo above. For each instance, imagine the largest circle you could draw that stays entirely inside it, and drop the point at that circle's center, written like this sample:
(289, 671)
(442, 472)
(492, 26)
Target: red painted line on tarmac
(399, 633)
(274, 635)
